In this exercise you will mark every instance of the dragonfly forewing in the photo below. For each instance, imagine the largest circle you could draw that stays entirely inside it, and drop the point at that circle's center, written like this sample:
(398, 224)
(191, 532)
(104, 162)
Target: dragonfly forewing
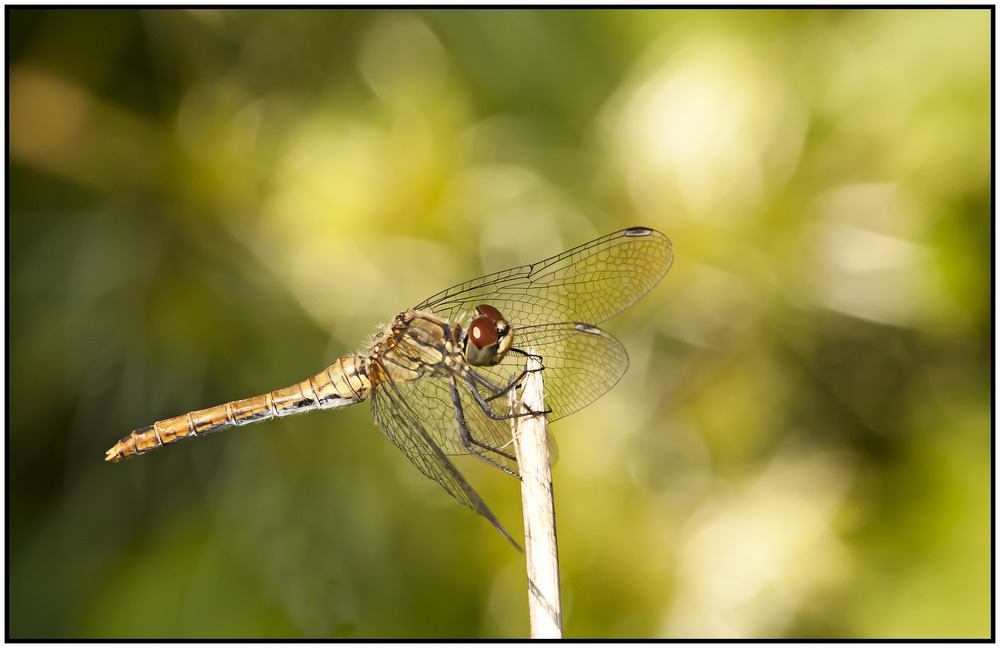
(581, 363)
(589, 283)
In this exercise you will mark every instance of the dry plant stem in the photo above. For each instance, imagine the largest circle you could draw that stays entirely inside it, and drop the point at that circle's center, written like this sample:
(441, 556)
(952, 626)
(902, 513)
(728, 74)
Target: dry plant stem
(541, 551)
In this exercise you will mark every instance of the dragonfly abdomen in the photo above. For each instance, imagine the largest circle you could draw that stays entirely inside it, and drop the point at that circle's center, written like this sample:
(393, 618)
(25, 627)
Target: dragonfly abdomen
(345, 382)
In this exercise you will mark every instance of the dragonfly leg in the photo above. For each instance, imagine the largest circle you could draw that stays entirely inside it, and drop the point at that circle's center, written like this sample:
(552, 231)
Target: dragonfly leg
(496, 391)
(484, 401)
(466, 435)
(515, 381)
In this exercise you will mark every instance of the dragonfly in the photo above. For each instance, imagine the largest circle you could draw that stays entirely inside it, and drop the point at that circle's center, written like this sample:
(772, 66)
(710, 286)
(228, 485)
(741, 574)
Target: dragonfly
(438, 373)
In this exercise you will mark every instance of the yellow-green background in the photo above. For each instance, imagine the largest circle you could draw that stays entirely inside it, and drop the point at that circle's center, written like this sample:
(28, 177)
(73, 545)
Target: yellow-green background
(206, 205)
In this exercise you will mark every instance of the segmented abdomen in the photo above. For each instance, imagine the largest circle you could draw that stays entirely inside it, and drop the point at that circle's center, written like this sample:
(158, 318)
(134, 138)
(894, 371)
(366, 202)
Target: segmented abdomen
(345, 382)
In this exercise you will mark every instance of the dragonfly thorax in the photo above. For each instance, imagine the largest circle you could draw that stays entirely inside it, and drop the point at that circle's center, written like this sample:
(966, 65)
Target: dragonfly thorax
(488, 337)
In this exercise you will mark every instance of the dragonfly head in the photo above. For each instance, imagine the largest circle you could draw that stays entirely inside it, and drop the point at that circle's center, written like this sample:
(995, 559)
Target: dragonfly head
(488, 339)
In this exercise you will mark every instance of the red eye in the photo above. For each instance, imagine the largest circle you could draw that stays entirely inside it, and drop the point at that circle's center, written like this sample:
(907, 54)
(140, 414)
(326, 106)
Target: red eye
(483, 332)
(490, 312)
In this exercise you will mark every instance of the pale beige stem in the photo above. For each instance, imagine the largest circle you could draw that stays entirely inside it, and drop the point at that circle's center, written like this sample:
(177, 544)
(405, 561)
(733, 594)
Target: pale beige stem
(541, 551)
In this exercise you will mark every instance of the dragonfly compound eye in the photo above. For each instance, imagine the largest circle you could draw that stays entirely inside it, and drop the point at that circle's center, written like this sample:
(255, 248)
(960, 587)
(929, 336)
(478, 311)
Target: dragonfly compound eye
(485, 310)
(504, 339)
(481, 342)
(483, 333)
(499, 323)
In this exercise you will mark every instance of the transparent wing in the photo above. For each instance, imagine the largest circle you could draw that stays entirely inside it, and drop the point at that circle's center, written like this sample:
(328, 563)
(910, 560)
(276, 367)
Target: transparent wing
(402, 425)
(581, 363)
(589, 283)
(430, 400)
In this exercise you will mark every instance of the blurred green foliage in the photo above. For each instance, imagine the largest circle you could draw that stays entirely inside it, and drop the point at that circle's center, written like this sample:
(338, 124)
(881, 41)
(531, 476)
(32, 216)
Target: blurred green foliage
(209, 204)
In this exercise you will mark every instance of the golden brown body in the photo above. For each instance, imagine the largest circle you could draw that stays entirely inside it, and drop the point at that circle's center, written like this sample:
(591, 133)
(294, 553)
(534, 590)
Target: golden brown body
(411, 347)
(439, 374)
